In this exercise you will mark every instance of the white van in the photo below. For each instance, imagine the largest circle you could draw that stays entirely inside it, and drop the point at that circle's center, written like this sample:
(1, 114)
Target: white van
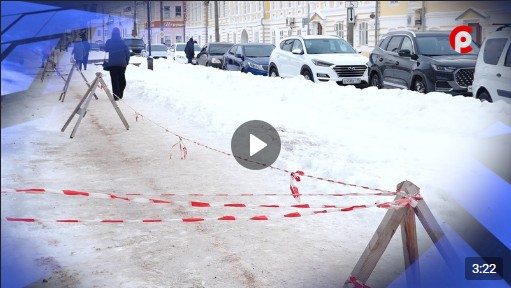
(492, 75)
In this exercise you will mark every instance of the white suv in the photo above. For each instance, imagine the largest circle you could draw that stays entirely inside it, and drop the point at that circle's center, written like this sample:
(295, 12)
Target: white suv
(318, 58)
(492, 75)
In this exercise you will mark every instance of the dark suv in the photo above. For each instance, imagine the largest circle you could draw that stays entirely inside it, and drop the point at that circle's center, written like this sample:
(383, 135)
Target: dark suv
(135, 45)
(422, 61)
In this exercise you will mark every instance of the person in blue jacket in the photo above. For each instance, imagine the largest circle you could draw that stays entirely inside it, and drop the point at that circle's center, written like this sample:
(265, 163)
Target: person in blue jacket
(118, 59)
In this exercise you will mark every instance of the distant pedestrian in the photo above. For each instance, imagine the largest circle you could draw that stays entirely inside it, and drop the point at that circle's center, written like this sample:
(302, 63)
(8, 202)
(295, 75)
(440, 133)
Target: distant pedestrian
(190, 50)
(118, 59)
(78, 53)
(45, 53)
(86, 48)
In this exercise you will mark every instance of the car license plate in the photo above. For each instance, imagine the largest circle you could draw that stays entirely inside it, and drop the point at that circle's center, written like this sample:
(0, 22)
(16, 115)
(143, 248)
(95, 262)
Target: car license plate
(469, 88)
(351, 81)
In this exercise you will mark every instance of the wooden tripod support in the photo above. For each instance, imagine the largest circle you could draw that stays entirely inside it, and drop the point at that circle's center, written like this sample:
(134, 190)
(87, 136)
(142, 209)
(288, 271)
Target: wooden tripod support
(81, 109)
(66, 85)
(405, 217)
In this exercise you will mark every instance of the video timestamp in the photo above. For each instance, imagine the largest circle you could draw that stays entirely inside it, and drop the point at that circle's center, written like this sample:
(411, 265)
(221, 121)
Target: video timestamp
(483, 268)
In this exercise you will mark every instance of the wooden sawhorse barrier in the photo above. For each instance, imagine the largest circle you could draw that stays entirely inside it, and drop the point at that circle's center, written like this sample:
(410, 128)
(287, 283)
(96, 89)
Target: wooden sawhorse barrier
(82, 107)
(405, 217)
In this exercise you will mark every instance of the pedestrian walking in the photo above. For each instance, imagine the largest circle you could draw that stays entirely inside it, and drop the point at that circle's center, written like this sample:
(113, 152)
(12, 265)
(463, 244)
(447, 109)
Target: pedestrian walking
(78, 53)
(190, 50)
(86, 48)
(118, 59)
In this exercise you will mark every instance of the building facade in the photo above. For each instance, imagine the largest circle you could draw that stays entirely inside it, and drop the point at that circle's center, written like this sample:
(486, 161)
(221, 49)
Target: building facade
(166, 18)
(271, 21)
(444, 16)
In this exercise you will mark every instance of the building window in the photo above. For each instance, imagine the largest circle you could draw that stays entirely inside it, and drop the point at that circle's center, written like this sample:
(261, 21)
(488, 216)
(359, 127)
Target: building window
(281, 34)
(289, 32)
(363, 33)
(179, 39)
(339, 29)
(273, 37)
(299, 32)
(234, 37)
(166, 12)
(178, 11)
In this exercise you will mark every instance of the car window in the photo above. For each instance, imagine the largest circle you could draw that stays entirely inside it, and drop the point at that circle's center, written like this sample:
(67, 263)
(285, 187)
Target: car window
(384, 42)
(197, 47)
(493, 49)
(134, 42)
(328, 46)
(239, 51)
(439, 45)
(158, 47)
(507, 63)
(297, 45)
(231, 51)
(394, 43)
(219, 49)
(259, 50)
(180, 47)
(407, 44)
(287, 44)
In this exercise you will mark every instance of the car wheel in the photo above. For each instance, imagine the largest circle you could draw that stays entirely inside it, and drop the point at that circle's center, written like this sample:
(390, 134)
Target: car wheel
(376, 80)
(306, 73)
(419, 85)
(274, 72)
(485, 96)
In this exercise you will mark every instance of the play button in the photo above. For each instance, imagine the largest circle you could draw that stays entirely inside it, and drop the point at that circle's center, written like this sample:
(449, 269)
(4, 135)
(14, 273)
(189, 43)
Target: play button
(255, 145)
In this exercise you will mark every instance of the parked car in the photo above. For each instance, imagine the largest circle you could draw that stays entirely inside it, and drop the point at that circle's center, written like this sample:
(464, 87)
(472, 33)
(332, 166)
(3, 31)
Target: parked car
(177, 52)
(94, 46)
(212, 54)
(157, 51)
(249, 58)
(135, 45)
(318, 58)
(492, 76)
(423, 62)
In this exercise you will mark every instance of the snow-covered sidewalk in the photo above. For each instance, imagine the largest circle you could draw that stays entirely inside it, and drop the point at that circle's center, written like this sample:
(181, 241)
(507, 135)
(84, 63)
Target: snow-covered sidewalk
(370, 137)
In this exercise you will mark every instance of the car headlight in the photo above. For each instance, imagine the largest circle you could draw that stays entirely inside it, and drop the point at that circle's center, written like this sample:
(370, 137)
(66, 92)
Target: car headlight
(216, 61)
(321, 63)
(255, 66)
(443, 68)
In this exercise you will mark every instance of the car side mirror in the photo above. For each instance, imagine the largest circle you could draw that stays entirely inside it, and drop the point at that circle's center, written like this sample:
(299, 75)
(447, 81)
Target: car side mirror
(404, 53)
(297, 51)
(358, 51)
(414, 57)
(239, 56)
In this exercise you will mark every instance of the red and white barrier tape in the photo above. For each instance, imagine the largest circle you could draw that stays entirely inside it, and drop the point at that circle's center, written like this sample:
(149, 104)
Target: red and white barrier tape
(295, 177)
(200, 219)
(293, 174)
(182, 149)
(400, 202)
(354, 282)
(387, 205)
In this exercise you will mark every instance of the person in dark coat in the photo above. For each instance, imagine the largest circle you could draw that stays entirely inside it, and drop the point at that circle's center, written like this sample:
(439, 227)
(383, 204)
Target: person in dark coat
(86, 49)
(118, 59)
(78, 53)
(190, 50)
